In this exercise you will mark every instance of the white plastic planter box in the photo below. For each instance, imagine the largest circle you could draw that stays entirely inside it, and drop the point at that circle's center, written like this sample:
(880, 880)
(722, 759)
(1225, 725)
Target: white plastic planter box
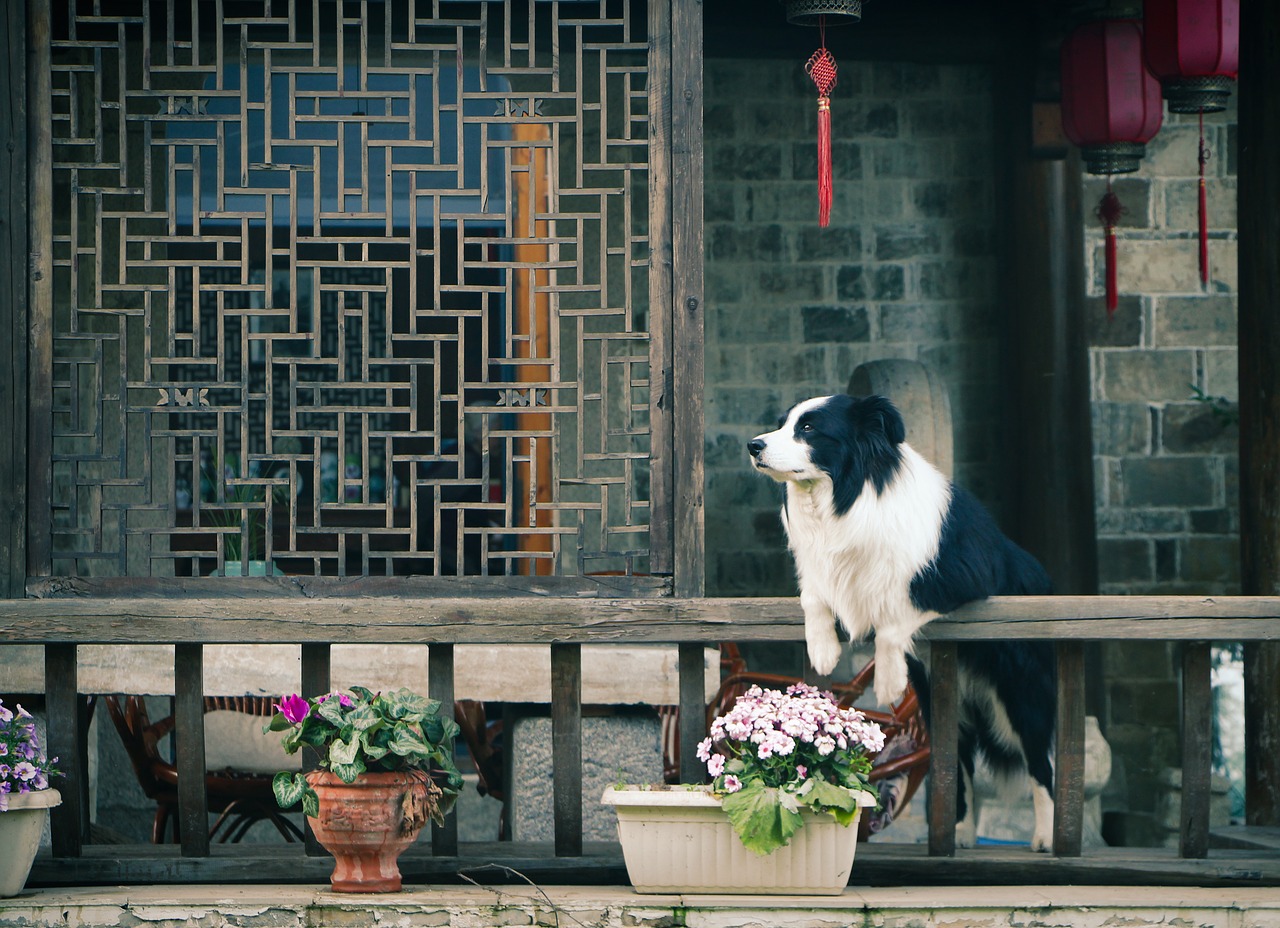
(679, 840)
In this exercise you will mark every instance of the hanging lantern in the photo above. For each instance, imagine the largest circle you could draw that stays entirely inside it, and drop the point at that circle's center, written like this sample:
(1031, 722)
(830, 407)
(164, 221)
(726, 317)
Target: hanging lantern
(1193, 47)
(1110, 108)
(821, 69)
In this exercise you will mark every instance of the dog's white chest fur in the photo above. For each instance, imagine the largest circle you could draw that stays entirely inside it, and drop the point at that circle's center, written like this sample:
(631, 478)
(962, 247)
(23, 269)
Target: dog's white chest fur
(859, 565)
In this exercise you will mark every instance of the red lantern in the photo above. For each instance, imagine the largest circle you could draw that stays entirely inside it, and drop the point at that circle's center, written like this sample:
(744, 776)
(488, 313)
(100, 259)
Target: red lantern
(1110, 108)
(1193, 47)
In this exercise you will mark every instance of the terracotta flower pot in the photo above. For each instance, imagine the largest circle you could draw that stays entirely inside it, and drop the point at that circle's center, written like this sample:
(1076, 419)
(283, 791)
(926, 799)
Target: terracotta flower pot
(367, 824)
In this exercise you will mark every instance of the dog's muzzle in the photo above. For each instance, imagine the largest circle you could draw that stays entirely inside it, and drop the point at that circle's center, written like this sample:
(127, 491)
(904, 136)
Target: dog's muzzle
(755, 446)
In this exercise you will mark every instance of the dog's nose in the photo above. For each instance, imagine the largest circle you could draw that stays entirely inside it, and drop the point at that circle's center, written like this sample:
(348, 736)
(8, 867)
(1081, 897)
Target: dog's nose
(755, 446)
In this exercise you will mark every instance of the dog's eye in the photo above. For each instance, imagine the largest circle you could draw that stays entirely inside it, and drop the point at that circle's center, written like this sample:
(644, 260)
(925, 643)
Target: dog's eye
(806, 427)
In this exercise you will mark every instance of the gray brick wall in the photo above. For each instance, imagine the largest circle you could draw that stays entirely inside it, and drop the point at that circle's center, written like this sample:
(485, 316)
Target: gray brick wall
(907, 269)
(1166, 461)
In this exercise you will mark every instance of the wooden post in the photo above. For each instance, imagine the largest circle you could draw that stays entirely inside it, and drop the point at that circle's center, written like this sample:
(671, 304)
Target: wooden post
(661, 468)
(39, 277)
(316, 674)
(943, 747)
(1259, 343)
(62, 705)
(1068, 771)
(14, 207)
(1197, 753)
(688, 310)
(444, 838)
(566, 747)
(188, 730)
(693, 712)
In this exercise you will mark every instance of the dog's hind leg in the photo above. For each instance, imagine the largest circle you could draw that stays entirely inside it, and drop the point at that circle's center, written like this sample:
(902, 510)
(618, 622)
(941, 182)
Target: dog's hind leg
(966, 798)
(1042, 800)
(820, 634)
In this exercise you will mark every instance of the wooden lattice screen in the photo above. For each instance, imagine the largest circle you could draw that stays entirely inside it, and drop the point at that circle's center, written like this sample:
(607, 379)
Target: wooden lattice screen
(352, 288)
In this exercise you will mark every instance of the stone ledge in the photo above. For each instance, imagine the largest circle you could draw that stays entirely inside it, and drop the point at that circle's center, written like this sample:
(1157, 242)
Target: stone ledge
(271, 906)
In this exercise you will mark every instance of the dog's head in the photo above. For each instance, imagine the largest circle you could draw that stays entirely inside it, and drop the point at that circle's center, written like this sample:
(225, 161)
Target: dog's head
(846, 439)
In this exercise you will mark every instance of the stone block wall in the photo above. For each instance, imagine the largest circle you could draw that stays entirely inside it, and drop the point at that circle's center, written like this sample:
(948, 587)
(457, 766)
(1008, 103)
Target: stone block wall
(1164, 372)
(906, 269)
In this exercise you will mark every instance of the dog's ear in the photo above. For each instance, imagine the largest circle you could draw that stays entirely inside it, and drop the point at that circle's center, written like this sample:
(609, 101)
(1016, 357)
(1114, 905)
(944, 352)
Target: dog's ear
(879, 407)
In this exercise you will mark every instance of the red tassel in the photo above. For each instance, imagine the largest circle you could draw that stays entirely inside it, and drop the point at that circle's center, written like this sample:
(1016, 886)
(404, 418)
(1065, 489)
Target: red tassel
(1204, 210)
(824, 162)
(821, 68)
(1109, 212)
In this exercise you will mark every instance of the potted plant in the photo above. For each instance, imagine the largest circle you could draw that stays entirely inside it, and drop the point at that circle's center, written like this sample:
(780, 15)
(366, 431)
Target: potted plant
(387, 767)
(789, 780)
(229, 500)
(25, 796)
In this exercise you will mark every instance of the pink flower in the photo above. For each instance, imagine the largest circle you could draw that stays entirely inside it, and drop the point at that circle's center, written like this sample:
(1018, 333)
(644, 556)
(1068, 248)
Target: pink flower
(704, 750)
(802, 771)
(732, 784)
(715, 765)
(294, 708)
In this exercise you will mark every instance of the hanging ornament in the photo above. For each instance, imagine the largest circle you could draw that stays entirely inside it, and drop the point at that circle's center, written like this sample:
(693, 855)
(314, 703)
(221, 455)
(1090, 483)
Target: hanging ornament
(1110, 109)
(1193, 48)
(821, 68)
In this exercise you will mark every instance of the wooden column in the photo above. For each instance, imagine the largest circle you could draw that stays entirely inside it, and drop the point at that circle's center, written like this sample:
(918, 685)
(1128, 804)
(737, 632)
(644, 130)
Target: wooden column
(1068, 769)
(944, 720)
(1197, 749)
(688, 310)
(13, 301)
(62, 706)
(693, 711)
(1259, 341)
(188, 730)
(316, 676)
(39, 278)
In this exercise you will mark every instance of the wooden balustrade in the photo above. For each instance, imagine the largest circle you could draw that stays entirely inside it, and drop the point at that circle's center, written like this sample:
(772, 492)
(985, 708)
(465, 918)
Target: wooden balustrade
(564, 624)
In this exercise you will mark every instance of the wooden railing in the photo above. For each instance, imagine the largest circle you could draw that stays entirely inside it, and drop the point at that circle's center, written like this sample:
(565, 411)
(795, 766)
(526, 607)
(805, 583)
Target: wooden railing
(564, 624)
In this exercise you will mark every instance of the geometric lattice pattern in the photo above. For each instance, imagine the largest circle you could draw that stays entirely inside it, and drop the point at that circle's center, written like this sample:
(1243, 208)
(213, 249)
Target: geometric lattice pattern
(351, 288)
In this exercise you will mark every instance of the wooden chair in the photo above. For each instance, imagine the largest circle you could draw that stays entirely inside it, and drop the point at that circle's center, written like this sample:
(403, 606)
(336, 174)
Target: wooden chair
(482, 737)
(239, 799)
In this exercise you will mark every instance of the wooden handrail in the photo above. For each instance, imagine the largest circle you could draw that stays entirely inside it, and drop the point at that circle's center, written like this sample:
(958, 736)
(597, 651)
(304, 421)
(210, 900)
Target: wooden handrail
(61, 624)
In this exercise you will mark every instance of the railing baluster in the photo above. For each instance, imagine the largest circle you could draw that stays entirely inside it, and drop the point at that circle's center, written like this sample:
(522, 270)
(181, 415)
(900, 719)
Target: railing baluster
(1068, 770)
(62, 708)
(188, 730)
(316, 680)
(943, 739)
(693, 711)
(566, 747)
(444, 838)
(1197, 757)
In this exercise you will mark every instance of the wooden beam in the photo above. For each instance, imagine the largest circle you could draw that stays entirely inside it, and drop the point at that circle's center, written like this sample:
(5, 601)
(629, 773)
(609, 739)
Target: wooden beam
(1258, 208)
(13, 299)
(390, 620)
(689, 301)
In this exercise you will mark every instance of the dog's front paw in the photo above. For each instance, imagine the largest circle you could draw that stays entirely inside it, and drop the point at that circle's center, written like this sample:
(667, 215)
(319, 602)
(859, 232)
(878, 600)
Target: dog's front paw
(824, 654)
(967, 832)
(891, 681)
(1042, 843)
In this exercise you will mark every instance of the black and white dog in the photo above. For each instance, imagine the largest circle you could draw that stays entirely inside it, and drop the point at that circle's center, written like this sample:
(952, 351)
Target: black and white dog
(884, 542)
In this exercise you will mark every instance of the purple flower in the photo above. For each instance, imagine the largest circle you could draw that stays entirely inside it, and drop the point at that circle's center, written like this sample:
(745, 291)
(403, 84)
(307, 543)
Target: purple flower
(25, 771)
(294, 708)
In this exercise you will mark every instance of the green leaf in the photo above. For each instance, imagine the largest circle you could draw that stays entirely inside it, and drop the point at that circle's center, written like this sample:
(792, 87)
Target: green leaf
(759, 818)
(311, 804)
(409, 706)
(361, 717)
(363, 694)
(406, 743)
(278, 723)
(344, 752)
(331, 711)
(822, 796)
(347, 773)
(289, 788)
(374, 747)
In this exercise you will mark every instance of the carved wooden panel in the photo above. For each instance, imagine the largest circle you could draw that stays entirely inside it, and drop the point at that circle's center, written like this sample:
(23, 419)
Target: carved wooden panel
(351, 288)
